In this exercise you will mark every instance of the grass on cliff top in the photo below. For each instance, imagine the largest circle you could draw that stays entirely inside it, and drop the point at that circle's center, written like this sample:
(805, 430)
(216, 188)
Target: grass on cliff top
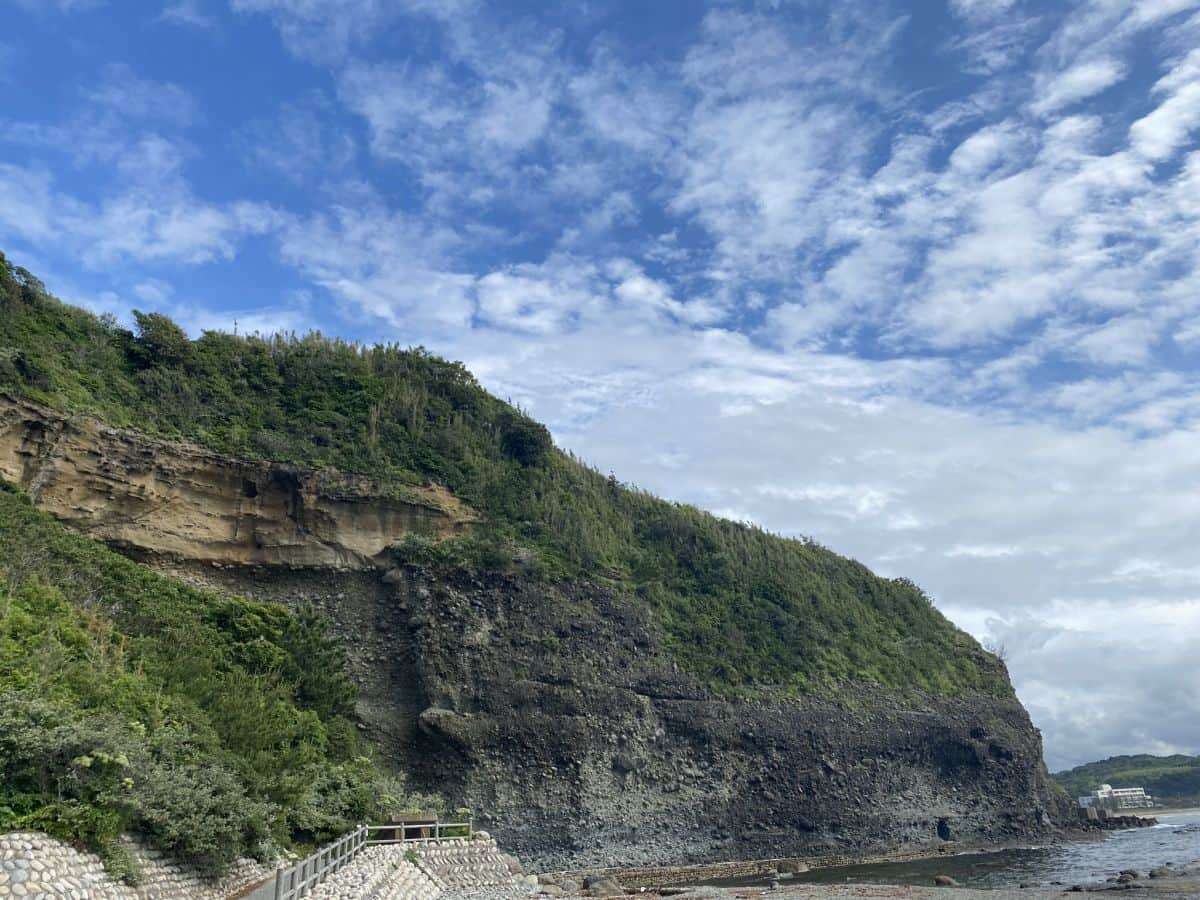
(739, 607)
(214, 727)
(1173, 778)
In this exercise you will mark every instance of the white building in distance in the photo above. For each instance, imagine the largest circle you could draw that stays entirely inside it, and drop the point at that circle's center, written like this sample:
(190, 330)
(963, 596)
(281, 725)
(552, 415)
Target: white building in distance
(1109, 797)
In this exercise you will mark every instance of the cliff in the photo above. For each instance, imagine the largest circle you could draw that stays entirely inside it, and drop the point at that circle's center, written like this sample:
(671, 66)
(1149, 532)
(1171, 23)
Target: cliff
(175, 498)
(601, 675)
(550, 708)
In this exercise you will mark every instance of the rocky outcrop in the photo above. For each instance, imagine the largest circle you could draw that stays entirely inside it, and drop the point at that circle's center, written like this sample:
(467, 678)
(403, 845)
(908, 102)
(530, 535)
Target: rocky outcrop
(552, 712)
(177, 499)
(551, 709)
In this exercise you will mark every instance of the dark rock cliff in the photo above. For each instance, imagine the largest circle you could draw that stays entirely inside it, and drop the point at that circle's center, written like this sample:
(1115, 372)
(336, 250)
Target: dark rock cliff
(549, 709)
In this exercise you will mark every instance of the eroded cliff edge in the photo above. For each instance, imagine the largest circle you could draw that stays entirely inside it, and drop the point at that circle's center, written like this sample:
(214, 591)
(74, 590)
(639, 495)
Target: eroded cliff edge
(549, 708)
(175, 498)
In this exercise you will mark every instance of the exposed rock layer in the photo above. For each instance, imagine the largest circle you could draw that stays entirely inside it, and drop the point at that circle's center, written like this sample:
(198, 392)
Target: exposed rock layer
(179, 499)
(550, 709)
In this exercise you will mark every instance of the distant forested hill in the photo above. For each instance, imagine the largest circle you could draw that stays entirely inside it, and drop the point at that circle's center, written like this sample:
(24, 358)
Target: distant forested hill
(1171, 779)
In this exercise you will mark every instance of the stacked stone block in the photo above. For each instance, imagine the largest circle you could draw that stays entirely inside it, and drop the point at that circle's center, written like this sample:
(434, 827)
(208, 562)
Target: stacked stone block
(474, 870)
(37, 866)
(378, 873)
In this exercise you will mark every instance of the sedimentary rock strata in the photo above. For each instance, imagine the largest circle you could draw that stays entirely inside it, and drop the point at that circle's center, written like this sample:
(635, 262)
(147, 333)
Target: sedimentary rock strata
(177, 499)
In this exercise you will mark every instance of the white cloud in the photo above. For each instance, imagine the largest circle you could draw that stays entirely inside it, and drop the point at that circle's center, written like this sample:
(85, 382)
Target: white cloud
(157, 221)
(298, 144)
(392, 266)
(327, 30)
(994, 45)
(1121, 342)
(320, 29)
(196, 319)
(982, 551)
(633, 107)
(153, 291)
(540, 299)
(1160, 133)
(1078, 83)
(120, 90)
(462, 139)
(186, 12)
(982, 9)
(62, 6)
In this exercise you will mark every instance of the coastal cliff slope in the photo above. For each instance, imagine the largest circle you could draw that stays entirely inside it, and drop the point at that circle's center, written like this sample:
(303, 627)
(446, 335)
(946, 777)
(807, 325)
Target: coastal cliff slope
(600, 675)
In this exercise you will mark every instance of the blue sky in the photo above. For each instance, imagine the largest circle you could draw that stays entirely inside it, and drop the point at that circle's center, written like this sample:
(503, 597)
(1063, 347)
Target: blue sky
(916, 279)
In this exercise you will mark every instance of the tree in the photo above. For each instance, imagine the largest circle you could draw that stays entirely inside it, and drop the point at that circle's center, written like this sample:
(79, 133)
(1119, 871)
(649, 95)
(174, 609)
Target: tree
(526, 441)
(159, 341)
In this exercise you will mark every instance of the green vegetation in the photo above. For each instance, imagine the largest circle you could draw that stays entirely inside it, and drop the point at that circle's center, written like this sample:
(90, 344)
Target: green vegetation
(214, 726)
(741, 608)
(1169, 779)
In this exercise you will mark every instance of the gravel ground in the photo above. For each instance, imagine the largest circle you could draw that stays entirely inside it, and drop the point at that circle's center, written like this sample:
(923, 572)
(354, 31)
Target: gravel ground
(513, 892)
(1183, 888)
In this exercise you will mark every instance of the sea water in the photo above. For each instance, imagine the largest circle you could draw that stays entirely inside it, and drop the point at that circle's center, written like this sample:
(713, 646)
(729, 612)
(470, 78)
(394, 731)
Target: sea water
(1175, 839)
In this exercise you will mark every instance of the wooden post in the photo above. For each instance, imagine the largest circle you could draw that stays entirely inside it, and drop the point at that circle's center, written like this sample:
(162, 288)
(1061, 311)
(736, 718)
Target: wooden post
(279, 883)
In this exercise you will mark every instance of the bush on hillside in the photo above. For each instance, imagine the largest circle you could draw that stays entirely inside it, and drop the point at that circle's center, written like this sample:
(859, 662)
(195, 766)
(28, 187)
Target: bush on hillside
(738, 607)
(215, 727)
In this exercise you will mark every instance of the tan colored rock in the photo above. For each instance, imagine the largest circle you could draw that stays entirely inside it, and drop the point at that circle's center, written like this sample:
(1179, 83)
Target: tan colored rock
(179, 499)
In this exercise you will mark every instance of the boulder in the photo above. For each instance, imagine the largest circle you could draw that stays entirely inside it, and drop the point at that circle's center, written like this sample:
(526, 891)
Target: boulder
(791, 867)
(605, 887)
(569, 886)
(945, 881)
(551, 890)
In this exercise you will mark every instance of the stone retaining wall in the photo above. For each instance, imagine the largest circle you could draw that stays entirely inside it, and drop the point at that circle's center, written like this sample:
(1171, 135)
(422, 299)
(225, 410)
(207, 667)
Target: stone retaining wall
(37, 866)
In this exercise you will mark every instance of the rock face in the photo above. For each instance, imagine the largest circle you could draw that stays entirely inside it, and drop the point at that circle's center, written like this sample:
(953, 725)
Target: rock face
(554, 716)
(179, 499)
(548, 708)
(550, 711)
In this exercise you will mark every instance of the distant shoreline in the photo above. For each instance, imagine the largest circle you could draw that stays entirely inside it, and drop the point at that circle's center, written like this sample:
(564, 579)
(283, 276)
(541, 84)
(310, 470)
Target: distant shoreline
(651, 877)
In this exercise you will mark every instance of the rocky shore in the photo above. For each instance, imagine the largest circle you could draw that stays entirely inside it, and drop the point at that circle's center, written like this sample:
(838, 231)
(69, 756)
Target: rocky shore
(784, 879)
(1162, 883)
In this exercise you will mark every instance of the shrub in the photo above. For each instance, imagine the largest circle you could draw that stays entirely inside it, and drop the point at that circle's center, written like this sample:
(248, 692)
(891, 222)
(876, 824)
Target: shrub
(214, 727)
(159, 342)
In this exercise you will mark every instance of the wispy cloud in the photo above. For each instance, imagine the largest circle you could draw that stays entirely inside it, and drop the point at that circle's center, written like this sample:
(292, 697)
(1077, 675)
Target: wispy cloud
(188, 13)
(61, 6)
(1078, 83)
(121, 91)
(155, 217)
